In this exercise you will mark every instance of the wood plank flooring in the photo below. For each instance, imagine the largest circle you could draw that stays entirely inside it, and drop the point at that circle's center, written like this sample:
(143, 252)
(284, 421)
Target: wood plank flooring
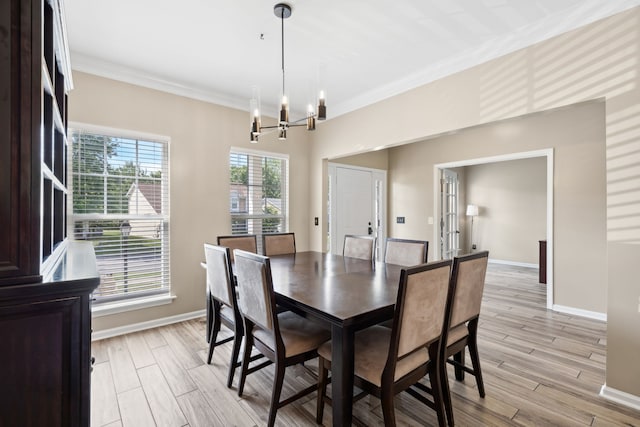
(541, 368)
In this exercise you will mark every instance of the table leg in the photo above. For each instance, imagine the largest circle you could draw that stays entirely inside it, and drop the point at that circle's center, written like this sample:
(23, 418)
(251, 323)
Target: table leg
(342, 340)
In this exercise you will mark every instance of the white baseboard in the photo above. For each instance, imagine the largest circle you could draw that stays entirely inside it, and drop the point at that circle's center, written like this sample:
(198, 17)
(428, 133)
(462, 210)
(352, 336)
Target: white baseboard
(620, 397)
(580, 312)
(135, 327)
(514, 263)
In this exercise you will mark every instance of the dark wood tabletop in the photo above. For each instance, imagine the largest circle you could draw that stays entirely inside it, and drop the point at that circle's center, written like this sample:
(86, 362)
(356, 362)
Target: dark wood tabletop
(346, 293)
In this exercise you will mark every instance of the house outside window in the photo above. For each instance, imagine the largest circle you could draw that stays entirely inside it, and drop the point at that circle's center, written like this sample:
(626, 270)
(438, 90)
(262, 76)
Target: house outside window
(259, 187)
(120, 202)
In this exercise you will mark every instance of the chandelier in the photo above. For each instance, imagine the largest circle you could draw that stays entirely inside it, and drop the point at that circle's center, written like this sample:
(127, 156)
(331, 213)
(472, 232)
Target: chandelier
(283, 11)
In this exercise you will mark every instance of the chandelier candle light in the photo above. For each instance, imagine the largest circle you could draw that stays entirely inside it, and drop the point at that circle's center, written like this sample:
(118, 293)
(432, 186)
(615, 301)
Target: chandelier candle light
(283, 11)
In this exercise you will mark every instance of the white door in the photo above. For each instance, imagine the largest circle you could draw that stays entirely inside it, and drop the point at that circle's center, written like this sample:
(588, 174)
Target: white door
(357, 200)
(449, 230)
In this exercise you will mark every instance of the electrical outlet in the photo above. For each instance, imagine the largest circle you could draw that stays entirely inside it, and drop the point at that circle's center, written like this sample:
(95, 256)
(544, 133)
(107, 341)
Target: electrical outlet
(474, 247)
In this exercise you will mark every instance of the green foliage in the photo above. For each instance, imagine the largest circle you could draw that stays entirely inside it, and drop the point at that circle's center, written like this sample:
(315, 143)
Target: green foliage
(271, 178)
(271, 225)
(93, 161)
(239, 174)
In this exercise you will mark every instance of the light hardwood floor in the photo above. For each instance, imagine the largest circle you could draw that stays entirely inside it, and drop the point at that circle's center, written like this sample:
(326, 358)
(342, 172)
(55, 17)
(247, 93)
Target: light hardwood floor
(541, 368)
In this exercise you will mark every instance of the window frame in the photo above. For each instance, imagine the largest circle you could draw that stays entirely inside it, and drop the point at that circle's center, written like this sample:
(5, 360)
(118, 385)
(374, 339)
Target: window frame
(120, 302)
(239, 216)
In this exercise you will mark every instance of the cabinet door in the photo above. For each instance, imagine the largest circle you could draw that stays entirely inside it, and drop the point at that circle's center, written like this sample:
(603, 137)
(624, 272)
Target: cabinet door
(20, 111)
(44, 363)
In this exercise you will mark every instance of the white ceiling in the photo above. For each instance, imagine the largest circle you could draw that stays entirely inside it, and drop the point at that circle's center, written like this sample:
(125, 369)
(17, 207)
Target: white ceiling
(358, 51)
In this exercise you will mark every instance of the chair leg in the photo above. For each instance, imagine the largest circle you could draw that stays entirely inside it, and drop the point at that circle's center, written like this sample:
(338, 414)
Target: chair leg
(388, 411)
(322, 388)
(459, 357)
(277, 389)
(475, 357)
(215, 328)
(446, 394)
(248, 344)
(237, 341)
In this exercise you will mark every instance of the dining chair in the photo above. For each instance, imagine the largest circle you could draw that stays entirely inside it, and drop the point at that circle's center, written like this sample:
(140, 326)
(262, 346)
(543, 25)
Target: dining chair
(246, 242)
(278, 243)
(468, 273)
(362, 247)
(223, 302)
(284, 338)
(405, 252)
(389, 361)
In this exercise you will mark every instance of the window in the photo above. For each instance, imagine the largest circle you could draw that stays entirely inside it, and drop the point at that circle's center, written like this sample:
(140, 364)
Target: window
(259, 184)
(120, 202)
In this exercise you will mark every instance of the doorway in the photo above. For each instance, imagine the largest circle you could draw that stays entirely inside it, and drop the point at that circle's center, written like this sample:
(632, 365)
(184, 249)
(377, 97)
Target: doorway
(449, 221)
(356, 205)
(546, 153)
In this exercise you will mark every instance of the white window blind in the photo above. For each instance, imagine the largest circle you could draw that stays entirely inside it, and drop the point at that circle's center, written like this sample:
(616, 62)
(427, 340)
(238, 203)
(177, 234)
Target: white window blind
(259, 187)
(120, 202)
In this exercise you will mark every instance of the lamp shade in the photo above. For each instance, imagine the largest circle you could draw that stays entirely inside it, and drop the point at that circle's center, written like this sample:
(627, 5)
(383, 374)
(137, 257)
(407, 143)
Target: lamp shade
(472, 210)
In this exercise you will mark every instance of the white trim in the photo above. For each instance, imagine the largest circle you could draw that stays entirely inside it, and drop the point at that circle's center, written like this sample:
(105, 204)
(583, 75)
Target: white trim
(135, 327)
(273, 154)
(496, 159)
(381, 174)
(550, 244)
(548, 153)
(118, 132)
(98, 67)
(620, 397)
(596, 315)
(107, 309)
(513, 263)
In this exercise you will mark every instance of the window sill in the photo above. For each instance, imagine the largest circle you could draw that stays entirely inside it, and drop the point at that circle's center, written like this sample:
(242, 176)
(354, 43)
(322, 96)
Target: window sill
(99, 310)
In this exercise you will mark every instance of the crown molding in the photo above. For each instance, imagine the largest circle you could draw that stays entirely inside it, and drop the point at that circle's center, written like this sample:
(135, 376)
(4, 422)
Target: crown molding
(91, 65)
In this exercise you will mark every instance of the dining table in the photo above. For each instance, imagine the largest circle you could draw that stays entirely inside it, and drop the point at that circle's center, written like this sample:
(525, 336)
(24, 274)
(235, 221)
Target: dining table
(346, 294)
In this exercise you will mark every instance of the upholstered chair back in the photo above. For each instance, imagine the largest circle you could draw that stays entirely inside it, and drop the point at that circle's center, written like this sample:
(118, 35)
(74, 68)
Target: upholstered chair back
(245, 242)
(406, 252)
(421, 313)
(361, 247)
(219, 275)
(469, 272)
(278, 244)
(255, 289)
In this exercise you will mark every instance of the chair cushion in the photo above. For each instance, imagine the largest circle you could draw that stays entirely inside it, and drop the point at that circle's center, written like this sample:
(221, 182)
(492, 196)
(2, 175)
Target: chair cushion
(371, 352)
(457, 333)
(298, 334)
(227, 313)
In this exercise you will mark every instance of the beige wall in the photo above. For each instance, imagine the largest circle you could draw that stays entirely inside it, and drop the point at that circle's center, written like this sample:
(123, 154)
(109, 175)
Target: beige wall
(623, 340)
(201, 136)
(597, 61)
(512, 201)
(373, 159)
(579, 181)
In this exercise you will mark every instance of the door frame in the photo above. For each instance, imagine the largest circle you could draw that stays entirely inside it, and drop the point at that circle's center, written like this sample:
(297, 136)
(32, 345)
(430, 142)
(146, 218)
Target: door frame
(382, 229)
(441, 218)
(548, 153)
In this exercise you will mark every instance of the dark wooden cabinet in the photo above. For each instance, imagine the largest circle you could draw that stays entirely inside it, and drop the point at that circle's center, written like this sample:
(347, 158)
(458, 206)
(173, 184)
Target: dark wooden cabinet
(45, 281)
(542, 256)
(45, 330)
(20, 142)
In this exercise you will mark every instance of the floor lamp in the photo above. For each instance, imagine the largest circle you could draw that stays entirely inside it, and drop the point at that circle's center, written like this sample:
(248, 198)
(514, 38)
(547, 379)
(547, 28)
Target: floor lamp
(472, 211)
